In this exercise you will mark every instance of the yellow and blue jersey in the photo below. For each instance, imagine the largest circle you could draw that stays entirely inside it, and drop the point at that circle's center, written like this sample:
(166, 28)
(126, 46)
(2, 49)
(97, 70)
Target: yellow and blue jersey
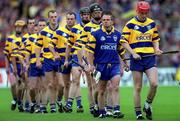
(43, 41)
(8, 47)
(86, 34)
(31, 46)
(60, 39)
(23, 50)
(140, 35)
(13, 43)
(105, 46)
(25, 37)
(76, 32)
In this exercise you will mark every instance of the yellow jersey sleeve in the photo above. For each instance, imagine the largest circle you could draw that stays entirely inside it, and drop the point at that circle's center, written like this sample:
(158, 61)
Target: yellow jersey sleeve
(90, 47)
(8, 46)
(155, 37)
(39, 41)
(125, 34)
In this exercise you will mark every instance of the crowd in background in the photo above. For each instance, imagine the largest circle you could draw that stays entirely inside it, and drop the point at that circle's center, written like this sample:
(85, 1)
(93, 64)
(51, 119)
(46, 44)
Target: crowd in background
(165, 12)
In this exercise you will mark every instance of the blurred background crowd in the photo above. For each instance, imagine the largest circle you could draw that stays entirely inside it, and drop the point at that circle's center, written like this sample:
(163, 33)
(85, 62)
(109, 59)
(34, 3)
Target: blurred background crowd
(166, 13)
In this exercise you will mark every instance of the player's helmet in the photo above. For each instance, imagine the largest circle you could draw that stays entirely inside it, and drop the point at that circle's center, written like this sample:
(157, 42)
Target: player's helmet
(95, 7)
(143, 6)
(84, 10)
(20, 23)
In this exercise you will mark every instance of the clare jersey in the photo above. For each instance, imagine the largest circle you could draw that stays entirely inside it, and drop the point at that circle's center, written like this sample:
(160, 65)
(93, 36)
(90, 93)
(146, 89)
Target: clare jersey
(86, 34)
(12, 47)
(25, 37)
(31, 46)
(23, 50)
(43, 41)
(76, 32)
(105, 46)
(59, 41)
(140, 35)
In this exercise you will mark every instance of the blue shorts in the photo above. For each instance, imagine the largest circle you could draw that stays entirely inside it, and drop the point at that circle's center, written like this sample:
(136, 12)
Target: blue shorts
(108, 71)
(19, 68)
(51, 65)
(75, 58)
(143, 64)
(63, 69)
(35, 71)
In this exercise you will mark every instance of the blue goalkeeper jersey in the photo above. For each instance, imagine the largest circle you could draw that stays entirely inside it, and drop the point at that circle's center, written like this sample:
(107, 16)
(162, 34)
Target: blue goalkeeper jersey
(105, 46)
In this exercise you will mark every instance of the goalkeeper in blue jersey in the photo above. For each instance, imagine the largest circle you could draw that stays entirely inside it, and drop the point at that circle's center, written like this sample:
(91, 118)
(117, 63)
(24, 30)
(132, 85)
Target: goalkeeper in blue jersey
(140, 37)
(104, 53)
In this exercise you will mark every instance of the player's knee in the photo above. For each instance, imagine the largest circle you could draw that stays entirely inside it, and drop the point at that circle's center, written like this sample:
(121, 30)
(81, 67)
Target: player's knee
(138, 89)
(109, 87)
(32, 87)
(101, 92)
(154, 85)
(75, 78)
(115, 88)
(61, 84)
(67, 86)
(90, 88)
(76, 82)
(51, 86)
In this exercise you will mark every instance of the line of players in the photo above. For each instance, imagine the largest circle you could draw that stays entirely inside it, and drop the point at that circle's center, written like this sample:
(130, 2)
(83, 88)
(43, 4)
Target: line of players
(39, 69)
(34, 62)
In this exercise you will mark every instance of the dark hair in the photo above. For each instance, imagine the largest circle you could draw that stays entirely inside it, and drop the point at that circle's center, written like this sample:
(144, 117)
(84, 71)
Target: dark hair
(30, 19)
(71, 13)
(51, 11)
(42, 20)
(109, 13)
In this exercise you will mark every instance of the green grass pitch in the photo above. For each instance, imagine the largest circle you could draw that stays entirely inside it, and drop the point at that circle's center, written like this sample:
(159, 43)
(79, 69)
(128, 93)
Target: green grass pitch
(166, 107)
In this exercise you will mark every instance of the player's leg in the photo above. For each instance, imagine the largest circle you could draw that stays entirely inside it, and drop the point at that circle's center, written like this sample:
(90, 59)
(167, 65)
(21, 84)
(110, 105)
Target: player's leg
(26, 92)
(137, 77)
(49, 67)
(115, 96)
(52, 89)
(33, 85)
(109, 103)
(76, 75)
(44, 94)
(90, 93)
(32, 91)
(67, 82)
(60, 91)
(20, 86)
(42, 90)
(80, 54)
(38, 95)
(79, 99)
(152, 75)
(73, 88)
(13, 82)
(101, 98)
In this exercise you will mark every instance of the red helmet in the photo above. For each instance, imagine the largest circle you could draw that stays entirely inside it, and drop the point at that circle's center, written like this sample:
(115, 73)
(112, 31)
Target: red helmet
(143, 6)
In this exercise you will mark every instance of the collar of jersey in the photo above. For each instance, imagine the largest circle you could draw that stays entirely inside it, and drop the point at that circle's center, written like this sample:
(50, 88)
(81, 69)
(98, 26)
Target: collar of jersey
(55, 28)
(104, 30)
(69, 29)
(17, 36)
(81, 23)
(136, 17)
